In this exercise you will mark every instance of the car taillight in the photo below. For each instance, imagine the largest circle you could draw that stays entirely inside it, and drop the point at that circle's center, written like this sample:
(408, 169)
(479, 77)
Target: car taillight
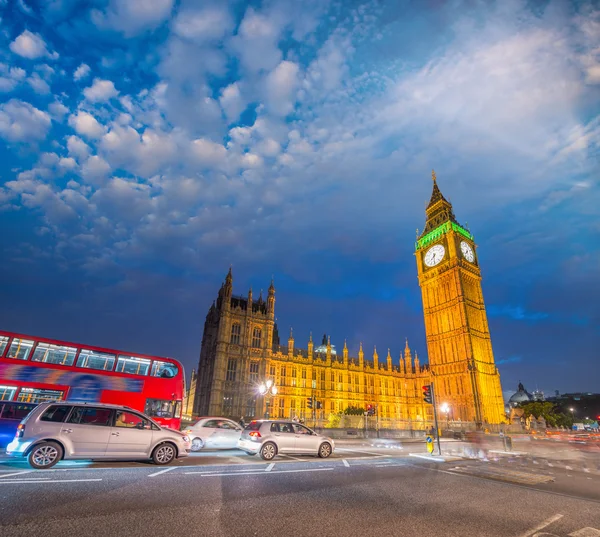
(20, 431)
(254, 435)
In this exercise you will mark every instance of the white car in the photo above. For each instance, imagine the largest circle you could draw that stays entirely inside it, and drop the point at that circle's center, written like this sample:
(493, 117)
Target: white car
(214, 433)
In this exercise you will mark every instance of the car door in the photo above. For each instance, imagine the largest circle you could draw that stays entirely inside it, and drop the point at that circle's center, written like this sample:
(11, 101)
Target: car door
(284, 436)
(86, 431)
(306, 440)
(208, 433)
(130, 436)
(230, 433)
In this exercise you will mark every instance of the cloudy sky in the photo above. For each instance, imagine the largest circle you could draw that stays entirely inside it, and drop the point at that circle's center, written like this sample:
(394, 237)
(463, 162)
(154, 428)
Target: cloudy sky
(146, 146)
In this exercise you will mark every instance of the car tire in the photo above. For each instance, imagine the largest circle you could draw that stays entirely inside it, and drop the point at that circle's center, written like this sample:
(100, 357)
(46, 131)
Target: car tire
(45, 455)
(268, 451)
(197, 444)
(164, 454)
(324, 450)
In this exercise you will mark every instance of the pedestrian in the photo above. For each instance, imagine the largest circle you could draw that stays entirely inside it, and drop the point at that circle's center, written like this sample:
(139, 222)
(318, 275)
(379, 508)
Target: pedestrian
(295, 419)
(242, 422)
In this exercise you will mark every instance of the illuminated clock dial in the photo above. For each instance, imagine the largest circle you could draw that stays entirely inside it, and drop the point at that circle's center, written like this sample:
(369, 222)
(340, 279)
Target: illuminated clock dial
(434, 255)
(467, 251)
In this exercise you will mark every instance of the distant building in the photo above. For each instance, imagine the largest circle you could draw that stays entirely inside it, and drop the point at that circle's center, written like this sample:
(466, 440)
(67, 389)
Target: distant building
(241, 349)
(190, 395)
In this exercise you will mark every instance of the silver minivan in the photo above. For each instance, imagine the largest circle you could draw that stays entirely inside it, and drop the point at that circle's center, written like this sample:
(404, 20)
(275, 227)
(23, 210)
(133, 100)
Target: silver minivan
(62, 430)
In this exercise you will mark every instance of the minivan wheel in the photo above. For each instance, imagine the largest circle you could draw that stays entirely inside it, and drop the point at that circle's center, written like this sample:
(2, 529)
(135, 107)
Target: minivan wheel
(268, 451)
(45, 455)
(324, 450)
(197, 444)
(163, 454)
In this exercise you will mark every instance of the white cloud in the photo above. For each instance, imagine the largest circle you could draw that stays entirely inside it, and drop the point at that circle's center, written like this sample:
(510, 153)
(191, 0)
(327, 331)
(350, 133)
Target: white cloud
(232, 102)
(100, 91)
(67, 163)
(31, 46)
(78, 148)
(86, 125)
(208, 24)
(58, 110)
(38, 84)
(22, 122)
(281, 86)
(95, 169)
(81, 72)
(10, 77)
(208, 153)
(133, 17)
(256, 42)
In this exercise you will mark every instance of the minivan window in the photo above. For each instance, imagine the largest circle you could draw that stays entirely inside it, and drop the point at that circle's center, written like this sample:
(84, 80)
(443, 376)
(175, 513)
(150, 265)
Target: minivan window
(90, 416)
(55, 413)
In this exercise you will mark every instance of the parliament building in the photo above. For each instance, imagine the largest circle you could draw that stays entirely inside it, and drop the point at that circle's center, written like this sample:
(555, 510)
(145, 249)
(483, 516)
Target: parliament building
(241, 349)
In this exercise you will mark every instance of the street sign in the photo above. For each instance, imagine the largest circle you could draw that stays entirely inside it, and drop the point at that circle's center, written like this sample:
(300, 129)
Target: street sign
(429, 441)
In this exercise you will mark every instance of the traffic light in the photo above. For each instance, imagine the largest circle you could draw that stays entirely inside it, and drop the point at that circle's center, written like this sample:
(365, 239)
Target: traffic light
(319, 405)
(370, 410)
(310, 402)
(427, 395)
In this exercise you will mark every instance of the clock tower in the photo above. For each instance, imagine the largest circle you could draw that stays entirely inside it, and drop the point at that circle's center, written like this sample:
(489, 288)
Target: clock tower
(458, 337)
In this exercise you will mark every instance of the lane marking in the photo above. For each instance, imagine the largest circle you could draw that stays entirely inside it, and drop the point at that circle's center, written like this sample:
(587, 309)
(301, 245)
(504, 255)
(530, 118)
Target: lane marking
(16, 473)
(362, 451)
(263, 473)
(162, 472)
(346, 464)
(49, 481)
(427, 457)
(293, 458)
(541, 526)
(270, 467)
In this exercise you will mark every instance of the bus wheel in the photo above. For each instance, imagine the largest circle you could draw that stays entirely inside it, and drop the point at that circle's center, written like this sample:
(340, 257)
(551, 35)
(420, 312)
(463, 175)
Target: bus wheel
(197, 444)
(45, 455)
(163, 454)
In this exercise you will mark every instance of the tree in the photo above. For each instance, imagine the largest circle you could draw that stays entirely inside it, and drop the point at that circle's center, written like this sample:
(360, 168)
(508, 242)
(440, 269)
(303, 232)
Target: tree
(354, 411)
(547, 410)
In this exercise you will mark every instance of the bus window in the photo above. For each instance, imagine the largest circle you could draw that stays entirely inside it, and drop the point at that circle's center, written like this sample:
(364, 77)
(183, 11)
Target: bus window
(20, 349)
(7, 393)
(160, 408)
(34, 395)
(163, 369)
(96, 360)
(133, 365)
(3, 344)
(54, 354)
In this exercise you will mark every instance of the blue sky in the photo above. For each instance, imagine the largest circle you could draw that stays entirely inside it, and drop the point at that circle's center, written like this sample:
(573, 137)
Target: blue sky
(146, 146)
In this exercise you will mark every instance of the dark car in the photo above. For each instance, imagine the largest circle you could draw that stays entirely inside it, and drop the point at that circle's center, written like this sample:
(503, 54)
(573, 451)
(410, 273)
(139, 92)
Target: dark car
(11, 414)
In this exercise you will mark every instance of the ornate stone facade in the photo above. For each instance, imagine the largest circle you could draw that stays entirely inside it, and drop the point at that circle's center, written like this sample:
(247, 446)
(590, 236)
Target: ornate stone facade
(241, 349)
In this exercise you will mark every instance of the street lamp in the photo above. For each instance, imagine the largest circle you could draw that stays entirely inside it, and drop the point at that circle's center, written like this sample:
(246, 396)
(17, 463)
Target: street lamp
(267, 389)
(445, 408)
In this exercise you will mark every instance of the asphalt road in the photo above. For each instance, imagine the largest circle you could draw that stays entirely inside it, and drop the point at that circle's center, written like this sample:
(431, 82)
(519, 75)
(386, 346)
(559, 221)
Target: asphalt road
(361, 491)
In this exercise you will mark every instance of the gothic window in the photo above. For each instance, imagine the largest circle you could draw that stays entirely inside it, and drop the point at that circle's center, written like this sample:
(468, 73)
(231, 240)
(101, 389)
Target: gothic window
(272, 371)
(254, 372)
(235, 333)
(257, 338)
(282, 407)
(323, 377)
(231, 369)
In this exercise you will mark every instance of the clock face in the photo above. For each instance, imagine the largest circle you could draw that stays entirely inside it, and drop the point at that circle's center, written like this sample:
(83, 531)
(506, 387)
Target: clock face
(434, 255)
(467, 251)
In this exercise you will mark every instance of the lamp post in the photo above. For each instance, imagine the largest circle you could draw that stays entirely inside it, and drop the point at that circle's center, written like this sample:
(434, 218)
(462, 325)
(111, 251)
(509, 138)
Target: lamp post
(267, 389)
(445, 408)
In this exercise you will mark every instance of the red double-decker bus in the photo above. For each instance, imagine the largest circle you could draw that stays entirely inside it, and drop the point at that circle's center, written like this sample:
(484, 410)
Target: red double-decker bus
(34, 369)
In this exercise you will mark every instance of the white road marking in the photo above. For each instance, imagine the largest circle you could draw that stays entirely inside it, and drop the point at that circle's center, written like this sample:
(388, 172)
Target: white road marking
(427, 457)
(362, 451)
(541, 526)
(293, 458)
(270, 467)
(263, 473)
(49, 481)
(162, 472)
(346, 464)
(16, 473)
(585, 532)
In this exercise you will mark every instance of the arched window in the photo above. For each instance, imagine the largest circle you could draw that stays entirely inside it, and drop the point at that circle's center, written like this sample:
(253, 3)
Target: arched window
(256, 338)
(235, 333)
